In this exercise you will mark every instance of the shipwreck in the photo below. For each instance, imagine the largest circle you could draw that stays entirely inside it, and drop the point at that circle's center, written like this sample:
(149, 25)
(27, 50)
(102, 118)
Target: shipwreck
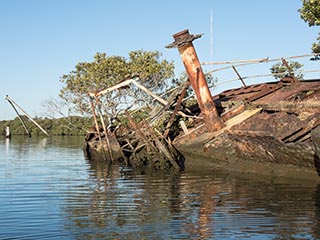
(270, 128)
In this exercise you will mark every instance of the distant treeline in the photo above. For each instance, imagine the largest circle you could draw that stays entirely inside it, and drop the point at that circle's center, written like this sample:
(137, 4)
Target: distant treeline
(74, 125)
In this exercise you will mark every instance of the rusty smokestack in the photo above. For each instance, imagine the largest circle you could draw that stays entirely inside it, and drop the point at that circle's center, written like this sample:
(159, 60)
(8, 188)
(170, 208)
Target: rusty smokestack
(183, 41)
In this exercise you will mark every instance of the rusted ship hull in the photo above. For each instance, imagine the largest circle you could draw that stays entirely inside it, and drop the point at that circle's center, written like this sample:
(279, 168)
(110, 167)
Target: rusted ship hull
(253, 154)
(95, 148)
(272, 128)
(269, 128)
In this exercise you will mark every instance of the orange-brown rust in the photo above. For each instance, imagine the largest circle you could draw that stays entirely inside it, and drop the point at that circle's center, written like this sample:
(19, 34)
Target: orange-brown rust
(197, 79)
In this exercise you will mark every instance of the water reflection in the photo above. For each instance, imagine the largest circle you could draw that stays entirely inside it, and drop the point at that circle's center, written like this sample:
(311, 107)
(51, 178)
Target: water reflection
(316, 227)
(49, 191)
(7, 142)
(196, 205)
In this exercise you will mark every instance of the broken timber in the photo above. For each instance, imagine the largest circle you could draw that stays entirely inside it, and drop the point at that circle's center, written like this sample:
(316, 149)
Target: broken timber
(157, 152)
(139, 145)
(14, 105)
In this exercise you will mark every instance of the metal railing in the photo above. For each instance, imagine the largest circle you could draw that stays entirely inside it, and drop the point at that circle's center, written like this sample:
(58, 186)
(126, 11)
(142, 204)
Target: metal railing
(240, 63)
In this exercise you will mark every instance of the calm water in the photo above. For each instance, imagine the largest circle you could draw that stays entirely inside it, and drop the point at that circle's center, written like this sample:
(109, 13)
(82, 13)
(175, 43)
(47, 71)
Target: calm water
(49, 191)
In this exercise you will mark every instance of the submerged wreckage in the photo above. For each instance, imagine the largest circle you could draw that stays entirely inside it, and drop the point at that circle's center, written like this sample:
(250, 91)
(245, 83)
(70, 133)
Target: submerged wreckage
(271, 128)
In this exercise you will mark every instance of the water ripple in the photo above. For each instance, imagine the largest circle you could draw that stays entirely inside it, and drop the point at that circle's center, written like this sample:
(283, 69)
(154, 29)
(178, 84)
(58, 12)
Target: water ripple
(49, 191)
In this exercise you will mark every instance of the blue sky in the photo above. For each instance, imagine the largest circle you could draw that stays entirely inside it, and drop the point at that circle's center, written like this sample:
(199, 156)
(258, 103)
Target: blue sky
(41, 40)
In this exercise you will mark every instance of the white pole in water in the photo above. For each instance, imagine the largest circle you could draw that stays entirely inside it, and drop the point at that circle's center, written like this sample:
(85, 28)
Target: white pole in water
(8, 132)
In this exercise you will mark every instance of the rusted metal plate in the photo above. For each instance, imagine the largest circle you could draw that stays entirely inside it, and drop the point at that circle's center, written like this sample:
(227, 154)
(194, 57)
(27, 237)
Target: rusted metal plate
(265, 90)
(272, 92)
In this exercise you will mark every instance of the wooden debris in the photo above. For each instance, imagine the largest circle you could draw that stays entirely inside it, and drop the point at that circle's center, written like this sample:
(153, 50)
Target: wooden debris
(157, 152)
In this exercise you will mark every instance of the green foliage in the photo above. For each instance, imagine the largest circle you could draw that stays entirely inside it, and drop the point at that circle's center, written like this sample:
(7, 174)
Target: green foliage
(106, 71)
(281, 70)
(73, 125)
(310, 13)
(91, 76)
(151, 70)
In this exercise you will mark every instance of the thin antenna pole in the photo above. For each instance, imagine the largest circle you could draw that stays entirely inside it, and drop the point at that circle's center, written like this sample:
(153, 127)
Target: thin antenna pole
(211, 33)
